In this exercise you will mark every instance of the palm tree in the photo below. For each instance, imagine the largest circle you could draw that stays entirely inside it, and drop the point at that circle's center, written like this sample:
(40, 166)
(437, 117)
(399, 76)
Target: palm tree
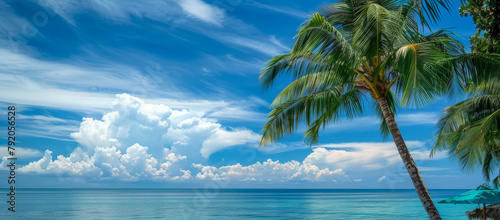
(357, 49)
(470, 130)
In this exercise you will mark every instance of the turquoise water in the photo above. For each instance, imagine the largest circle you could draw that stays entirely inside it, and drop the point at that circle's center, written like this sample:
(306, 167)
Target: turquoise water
(227, 204)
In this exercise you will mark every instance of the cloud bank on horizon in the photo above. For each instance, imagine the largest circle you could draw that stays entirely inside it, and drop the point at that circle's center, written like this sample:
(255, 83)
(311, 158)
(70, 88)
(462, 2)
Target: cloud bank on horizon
(141, 141)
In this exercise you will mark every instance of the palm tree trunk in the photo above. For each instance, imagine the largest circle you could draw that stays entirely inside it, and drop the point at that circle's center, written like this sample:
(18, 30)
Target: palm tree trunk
(410, 165)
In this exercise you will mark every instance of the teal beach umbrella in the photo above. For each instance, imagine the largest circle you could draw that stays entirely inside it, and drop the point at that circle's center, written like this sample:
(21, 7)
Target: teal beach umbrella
(481, 195)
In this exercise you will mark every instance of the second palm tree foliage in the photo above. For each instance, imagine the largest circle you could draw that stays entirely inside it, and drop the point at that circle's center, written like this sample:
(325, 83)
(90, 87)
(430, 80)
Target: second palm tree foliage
(470, 130)
(357, 51)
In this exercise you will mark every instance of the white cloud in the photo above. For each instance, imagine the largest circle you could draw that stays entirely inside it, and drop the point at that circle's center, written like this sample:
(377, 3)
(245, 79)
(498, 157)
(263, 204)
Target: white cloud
(428, 169)
(270, 47)
(278, 43)
(158, 10)
(418, 118)
(204, 69)
(19, 67)
(222, 139)
(137, 159)
(108, 163)
(381, 179)
(75, 165)
(44, 118)
(231, 64)
(42, 79)
(134, 121)
(46, 126)
(275, 171)
(137, 139)
(281, 9)
(203, 11)
(366, 156)
(35, 94)
(20, 152)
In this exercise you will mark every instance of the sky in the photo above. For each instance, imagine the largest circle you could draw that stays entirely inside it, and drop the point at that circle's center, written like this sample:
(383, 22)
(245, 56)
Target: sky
(165, 94)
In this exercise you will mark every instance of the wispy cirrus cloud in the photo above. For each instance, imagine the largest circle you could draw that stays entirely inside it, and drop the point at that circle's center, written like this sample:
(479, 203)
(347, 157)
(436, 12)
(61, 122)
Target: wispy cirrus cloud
(430, 169)
(231, 64)
(272, 47)
(47, 126)
(21, 152)
(82, 88)
(203, 11)
(280, 9)
(123, 11)
(20, 67)
(418, 118)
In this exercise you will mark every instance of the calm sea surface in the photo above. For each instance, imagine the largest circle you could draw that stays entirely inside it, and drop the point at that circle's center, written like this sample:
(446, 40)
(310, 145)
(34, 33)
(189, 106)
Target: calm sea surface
(226, 204)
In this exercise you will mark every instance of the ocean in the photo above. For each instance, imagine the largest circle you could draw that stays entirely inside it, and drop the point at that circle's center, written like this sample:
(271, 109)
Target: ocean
(227, 204)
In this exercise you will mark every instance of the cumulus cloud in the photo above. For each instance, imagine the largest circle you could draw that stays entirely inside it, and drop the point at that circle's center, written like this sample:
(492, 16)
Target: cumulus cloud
(75, 165)
(275, 171)
(138, 140)
(107, 163)
(20, 152)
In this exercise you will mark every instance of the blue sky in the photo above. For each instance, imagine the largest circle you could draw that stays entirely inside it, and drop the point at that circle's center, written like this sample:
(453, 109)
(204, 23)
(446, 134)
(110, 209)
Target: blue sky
(164, 93)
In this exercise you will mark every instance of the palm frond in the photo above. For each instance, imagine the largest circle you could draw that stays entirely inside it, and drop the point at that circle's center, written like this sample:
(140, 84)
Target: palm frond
(470, 130)
(348, 104)
(429, 11)
(308, 84)
(296, 65)
(284, 119)
(478, 67)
